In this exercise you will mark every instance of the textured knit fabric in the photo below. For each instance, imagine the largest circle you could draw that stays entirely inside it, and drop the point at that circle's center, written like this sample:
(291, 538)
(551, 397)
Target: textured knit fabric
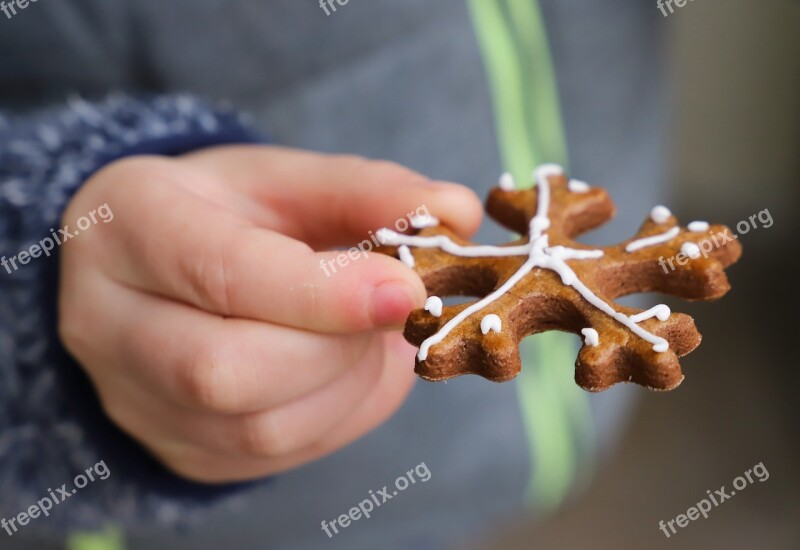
(51, 425)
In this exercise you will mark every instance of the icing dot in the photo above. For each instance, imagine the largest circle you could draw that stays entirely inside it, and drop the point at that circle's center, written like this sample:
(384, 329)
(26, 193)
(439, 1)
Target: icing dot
(691, 250)
(578, 186)
(592, 338)
(421, 222)
(661, 347)
(660, 214)
(698, 227)
(433, 305)
(405, 256)
(506, 182)
(491, 322)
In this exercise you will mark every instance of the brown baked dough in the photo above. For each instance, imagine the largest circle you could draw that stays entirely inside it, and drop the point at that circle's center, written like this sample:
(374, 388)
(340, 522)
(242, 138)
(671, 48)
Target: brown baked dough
(540, 301)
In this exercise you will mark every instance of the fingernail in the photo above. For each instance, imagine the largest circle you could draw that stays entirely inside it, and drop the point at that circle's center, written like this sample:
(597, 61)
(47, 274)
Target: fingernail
(392, 302)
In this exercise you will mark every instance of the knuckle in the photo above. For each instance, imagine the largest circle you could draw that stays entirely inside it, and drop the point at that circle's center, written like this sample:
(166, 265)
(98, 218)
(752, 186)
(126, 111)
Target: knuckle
(204, 273)
(207, 383)
(262, 436)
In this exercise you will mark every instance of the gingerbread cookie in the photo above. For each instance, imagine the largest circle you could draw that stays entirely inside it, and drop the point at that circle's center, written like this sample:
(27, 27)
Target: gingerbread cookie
(547, 281)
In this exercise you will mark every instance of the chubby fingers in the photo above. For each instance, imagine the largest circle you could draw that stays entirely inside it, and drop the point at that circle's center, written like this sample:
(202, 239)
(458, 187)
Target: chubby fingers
(205, 256)
(222, 448)
(204, 362)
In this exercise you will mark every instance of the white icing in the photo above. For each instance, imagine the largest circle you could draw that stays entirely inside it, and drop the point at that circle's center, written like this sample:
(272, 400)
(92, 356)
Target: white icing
(654, 240)
(477, 306)
(539, 255)
(661, 312)
(433, 305)
(389, 237)
(592, 338)
(691, 250)
(421, 222)
(385, 235)
(566, 273)
(564, 253)
(660, 214)
(506, 182)
(698, 227)
(578, 186)
(405, 256)
(491, 322)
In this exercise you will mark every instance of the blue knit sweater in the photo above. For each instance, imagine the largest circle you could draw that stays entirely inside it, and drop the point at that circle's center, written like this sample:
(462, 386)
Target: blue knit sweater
(51, 425)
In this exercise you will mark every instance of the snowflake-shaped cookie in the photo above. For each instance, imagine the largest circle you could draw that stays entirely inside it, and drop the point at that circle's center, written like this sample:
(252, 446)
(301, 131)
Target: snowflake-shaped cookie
(547, 281)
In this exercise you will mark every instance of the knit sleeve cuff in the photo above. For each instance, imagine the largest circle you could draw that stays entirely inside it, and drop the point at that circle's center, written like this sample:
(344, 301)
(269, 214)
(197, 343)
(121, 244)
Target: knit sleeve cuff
(52, 427)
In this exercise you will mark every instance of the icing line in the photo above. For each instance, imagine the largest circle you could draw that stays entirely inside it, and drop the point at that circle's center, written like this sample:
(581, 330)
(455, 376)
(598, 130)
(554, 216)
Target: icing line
(539, 255)
(421, 222)
(477, 306)
(445, 243)
(654, 240)
(661, 312)
(404, 253)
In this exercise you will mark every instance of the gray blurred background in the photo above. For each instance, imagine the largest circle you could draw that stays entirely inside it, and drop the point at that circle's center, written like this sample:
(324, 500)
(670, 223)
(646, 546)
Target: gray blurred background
(735, 151)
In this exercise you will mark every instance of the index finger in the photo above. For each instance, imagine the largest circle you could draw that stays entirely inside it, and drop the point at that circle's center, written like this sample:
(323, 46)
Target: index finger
(331, 200)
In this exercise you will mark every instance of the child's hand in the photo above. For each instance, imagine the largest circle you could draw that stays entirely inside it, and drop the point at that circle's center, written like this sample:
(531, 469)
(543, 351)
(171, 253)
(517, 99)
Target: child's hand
(203, 317)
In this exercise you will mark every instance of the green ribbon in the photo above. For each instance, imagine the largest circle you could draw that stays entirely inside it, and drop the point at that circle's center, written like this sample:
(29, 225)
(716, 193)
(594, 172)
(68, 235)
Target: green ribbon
(555, 412)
